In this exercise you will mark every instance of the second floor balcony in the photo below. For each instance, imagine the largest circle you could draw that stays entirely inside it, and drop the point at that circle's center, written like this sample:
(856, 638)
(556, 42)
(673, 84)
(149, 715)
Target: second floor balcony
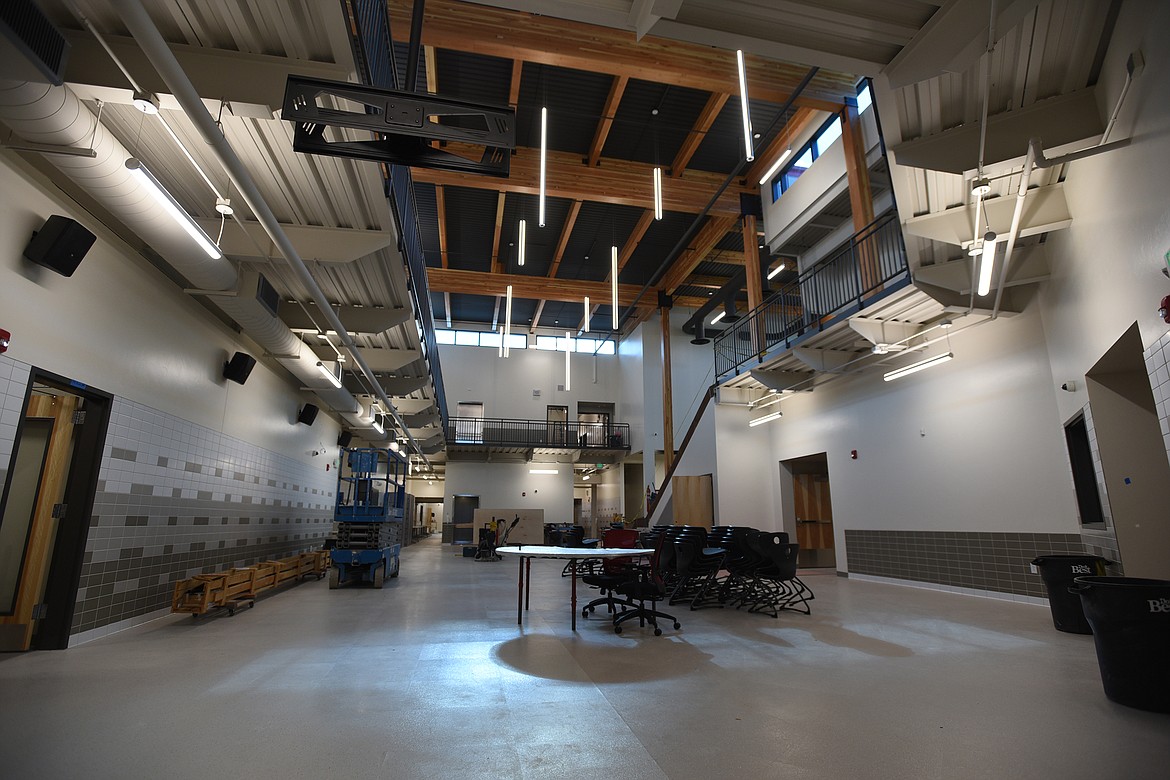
(479, 437)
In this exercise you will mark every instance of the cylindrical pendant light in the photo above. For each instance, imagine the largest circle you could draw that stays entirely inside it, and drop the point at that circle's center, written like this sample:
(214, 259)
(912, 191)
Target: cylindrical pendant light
(507, 320)
(586, 313)
(523, 239)
(543, 158)
(743, 107)
(568, 351)
(658, 192)
(613, 274)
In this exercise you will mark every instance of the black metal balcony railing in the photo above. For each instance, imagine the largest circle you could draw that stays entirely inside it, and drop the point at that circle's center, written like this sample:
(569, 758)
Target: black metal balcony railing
(373, 50)
(838, 285)
(491, 431)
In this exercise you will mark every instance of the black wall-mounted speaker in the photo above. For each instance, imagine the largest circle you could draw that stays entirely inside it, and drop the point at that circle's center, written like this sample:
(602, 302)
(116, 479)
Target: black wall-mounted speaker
(238, 368)
(59, 245)
(308, 414)
(344, 438)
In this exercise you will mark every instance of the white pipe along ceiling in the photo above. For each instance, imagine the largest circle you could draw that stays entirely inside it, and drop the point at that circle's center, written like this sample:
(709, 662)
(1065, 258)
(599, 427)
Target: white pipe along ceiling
(52, 115)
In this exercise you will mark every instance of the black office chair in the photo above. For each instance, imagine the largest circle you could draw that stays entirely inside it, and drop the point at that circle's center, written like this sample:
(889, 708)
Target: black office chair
(648, 587)
(614, 571)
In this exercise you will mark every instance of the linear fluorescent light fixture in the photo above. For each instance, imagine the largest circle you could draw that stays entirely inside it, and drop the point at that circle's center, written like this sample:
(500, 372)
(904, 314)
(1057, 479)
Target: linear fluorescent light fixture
(658, 192)
(568, 354)
(523, 238)
(172, 207)
(775, 167)
(507, 320)
(718, 317)
(774, 271)
(586, 313)
(986, 263)
(327, 372)
(613, 274)
(914, 368)
(543, 158)
(377, 424)
(765, 419)
(543, 471)
(743, 107)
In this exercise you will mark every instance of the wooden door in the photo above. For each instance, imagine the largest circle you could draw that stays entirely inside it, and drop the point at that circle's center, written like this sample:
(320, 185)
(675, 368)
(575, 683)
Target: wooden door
(692, 500)
(814, 518)
(18, 622)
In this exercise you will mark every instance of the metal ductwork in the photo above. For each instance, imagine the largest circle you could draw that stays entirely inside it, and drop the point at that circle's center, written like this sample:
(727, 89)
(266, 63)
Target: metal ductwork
(55, 116)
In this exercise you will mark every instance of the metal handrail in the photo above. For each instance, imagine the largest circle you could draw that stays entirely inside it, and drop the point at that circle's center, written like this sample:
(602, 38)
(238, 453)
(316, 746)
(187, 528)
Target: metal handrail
(498, 431)
(373, 51)
(819, 297)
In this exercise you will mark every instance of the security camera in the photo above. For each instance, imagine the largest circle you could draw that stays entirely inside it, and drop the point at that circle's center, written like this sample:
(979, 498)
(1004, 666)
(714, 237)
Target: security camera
(1069, 386)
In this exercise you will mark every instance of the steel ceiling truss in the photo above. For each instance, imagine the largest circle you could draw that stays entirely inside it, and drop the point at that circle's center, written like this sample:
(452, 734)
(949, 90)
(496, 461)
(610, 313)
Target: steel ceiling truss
(404, 125)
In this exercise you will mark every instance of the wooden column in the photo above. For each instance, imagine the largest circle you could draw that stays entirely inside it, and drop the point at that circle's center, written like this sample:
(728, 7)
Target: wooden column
(860, 193)
(667, 411)
(755, 282)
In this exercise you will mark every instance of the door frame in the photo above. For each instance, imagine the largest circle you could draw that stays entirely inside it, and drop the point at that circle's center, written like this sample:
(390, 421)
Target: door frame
(67, 556)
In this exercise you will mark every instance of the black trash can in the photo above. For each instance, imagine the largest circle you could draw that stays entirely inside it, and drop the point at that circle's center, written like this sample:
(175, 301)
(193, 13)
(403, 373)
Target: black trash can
(1131, 628)
(1058, 572)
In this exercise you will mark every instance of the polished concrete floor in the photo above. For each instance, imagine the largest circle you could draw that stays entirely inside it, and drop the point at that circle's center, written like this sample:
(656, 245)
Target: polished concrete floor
(431, 678)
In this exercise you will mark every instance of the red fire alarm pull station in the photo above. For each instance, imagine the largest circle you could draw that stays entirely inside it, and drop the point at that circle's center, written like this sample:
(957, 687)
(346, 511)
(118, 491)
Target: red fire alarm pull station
(853, 454)
(5, 338)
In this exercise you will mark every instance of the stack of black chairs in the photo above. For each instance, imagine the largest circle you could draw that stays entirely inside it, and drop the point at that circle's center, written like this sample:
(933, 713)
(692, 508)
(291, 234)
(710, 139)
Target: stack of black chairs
(734, 566)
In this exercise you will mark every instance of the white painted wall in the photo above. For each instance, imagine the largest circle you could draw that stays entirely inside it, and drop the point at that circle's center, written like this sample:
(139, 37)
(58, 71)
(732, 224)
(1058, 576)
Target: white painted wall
(120, 326)
(744, 490)
(631, 401)
(1106, 267)
(510, 485)
(973, 445)
(505, 386)
(608, 495)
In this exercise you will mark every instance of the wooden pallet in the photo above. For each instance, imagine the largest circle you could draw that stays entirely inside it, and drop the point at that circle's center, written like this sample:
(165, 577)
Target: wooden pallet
(239, 587)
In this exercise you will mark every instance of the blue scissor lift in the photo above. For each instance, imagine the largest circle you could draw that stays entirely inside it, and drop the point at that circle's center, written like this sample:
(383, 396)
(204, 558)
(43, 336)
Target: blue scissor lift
(371, 492)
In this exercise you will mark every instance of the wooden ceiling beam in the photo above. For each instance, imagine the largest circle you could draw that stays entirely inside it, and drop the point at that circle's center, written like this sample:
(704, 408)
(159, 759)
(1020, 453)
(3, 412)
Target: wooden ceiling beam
(616, 90)
(534, 38)
(514, 85)
(695, 137)
(441, 213)
(450, 280)
(705, 240)
(614, 181)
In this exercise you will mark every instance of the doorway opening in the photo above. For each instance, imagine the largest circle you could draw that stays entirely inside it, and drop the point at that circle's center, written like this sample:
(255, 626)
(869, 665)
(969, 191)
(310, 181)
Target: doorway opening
(1080, 456)
(1133, 455)
(463, 520)
(45, 509)
(811, 509)
(594, 422)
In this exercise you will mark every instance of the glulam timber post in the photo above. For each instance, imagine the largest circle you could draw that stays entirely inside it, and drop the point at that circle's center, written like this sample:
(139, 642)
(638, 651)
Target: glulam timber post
(664, 304)
(860, 192)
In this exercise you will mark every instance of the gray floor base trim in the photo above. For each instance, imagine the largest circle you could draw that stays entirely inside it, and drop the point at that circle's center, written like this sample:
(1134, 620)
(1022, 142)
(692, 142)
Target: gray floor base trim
(113, 628)
(985, 594)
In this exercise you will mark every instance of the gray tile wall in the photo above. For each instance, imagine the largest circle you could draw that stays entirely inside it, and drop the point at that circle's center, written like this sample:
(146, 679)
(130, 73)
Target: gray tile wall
(981, 561)
(13, 384)
(177, 499)
(1158, 366)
